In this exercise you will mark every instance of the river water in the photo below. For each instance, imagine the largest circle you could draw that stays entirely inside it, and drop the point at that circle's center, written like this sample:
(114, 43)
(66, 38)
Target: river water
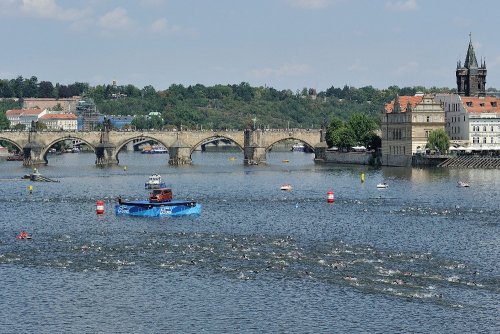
(420, 256)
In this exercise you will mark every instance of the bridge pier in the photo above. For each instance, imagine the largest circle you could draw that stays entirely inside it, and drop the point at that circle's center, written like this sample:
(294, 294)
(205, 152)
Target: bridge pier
(320, 152)
(33, 154)
(179, 154)
(254, 155)
(254, 150)
(105, 155)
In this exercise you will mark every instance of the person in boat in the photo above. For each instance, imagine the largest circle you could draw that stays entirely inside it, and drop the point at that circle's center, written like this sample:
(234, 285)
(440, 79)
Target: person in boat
(119, 198)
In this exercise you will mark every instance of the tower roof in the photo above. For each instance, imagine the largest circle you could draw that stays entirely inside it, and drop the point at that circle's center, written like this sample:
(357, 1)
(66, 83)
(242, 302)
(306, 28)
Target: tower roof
(470, 59)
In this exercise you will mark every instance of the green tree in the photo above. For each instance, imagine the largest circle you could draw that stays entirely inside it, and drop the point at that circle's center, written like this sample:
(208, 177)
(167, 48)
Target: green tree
(140, 123)
(335, 124)
(19, 126)
(361, 125)
(155, 122)
(343, 138)
(4, 122)
(372, 141)
(40, 126)
(438, 140)
(6, 90)
(30, 88)
(46, 89)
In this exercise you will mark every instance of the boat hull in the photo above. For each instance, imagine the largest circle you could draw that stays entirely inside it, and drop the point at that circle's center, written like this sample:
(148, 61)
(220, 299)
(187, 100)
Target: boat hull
(163, 209)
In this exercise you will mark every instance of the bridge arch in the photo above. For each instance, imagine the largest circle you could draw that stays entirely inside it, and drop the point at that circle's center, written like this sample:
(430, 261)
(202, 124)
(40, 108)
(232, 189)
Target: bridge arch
(125, 142)
(18, 146)
(295, 139)
(212, 138)
(46, 149)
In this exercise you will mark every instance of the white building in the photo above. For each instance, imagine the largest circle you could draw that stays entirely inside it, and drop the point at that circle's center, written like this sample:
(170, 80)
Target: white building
(472, 122)
(67, 122)
(24, 116)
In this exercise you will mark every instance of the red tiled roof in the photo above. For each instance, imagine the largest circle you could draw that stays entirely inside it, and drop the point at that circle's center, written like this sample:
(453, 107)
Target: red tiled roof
(403, 102)
(481, 104)
(59, 116)
(13, 112)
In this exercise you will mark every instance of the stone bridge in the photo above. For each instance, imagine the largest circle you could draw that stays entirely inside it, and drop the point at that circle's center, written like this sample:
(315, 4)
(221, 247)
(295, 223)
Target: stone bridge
(180, 144)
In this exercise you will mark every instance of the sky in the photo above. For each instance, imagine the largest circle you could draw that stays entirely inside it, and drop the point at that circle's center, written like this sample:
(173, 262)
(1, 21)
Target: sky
(284, 44)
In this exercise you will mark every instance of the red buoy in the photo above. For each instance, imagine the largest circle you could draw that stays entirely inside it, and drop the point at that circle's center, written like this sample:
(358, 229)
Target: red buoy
(100, 207)
(330, 197)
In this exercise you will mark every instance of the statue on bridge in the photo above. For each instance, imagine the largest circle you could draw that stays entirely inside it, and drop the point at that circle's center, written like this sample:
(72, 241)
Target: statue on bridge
(106, 125)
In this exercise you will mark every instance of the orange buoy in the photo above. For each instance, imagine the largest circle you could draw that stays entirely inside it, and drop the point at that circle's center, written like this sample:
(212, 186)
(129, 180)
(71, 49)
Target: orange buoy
(330, 197)
(100, 207)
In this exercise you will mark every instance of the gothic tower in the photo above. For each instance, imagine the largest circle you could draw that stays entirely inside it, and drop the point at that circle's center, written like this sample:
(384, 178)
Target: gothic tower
(471, 78)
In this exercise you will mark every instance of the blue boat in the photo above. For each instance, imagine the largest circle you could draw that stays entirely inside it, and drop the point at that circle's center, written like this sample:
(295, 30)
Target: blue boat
(160, 204)
(148, 209)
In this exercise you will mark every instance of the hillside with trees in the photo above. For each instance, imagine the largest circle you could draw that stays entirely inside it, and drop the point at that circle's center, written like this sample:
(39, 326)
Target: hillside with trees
(235, 106)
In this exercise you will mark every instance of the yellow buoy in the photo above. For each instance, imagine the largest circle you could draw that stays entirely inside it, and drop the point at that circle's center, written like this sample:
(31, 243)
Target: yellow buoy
(124, 168)
(362, 177)
(30, 188)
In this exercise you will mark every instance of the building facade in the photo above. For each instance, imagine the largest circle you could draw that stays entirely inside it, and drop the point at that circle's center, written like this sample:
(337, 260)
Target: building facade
(66, 122)
(406, 124)
(472, 122)
(23, 116)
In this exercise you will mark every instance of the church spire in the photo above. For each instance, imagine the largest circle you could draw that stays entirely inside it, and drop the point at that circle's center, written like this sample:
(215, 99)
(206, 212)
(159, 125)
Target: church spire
(470, 59)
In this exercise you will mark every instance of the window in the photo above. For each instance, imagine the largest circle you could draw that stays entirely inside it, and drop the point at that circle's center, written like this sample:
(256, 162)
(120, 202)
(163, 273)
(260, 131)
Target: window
(475, 140)
(469, 103)
(428, 119)
(494, 103)
(484, 140)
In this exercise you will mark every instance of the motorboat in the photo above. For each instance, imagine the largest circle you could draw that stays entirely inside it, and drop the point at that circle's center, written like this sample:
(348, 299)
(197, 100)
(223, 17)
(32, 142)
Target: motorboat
(16, 157)
(155, 149)
(286, 187)
(37, 177)
(463, 184)
(159, 204)
(382, 185)
(154, 182)
(298, 147)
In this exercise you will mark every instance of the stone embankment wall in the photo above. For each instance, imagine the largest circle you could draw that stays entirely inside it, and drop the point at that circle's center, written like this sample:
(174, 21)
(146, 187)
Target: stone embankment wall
(396, 160)
(428, 160)
(355, 158)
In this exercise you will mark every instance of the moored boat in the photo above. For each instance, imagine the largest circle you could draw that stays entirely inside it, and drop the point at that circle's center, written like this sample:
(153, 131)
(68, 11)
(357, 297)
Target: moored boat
(382, 185)
(15, 157)
(463, 184)
(159, 204)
